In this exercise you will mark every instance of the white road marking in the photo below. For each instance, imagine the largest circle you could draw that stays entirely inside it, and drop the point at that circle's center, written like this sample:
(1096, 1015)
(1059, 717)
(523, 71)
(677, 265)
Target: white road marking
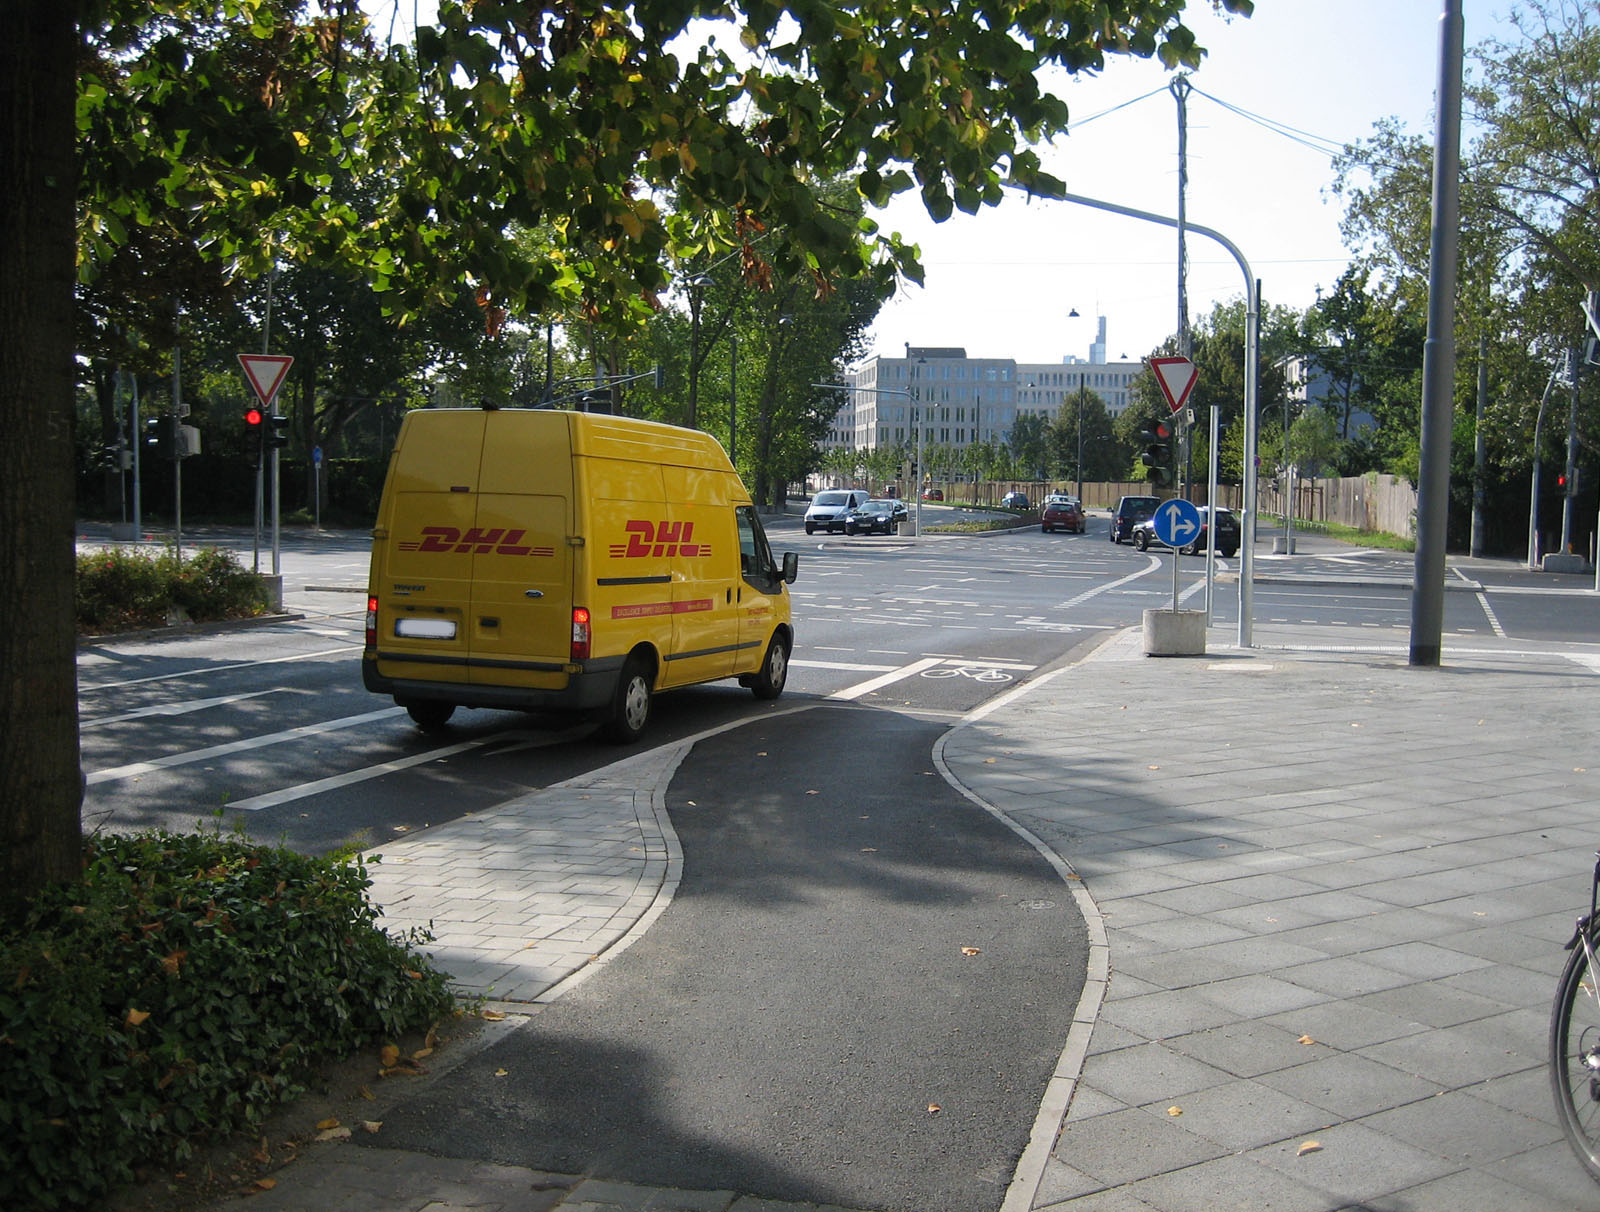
(850, 693)
(286, 795)
(180, 708)
(134, 769)
(210, 669)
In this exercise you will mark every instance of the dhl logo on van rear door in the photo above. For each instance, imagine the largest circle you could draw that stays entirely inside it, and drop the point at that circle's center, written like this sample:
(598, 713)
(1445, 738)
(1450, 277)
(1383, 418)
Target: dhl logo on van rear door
(657, 540)
(477, 541)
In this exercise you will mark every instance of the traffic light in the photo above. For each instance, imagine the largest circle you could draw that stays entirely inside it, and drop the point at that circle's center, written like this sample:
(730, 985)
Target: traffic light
(277, 434)
(255, 426)
(158, 436)
(1157, 454)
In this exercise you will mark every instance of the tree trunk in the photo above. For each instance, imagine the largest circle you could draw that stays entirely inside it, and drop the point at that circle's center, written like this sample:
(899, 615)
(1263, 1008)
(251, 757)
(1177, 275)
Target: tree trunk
(41, 787)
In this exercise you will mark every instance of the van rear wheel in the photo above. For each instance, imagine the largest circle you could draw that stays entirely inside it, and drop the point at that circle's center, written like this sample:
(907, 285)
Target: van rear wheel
(774, 672)
(630, 705)
(430, 716)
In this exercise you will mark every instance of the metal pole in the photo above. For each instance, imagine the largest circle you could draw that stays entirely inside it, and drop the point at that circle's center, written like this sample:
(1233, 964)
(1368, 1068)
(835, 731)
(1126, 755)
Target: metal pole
(177, 452)
(1569, 499)
(1180, 88)
(1480, 451)
(1211, 504)
(1439, 354)
(733, 397)
(1080, 440)
(137, 438)
(1533, 492)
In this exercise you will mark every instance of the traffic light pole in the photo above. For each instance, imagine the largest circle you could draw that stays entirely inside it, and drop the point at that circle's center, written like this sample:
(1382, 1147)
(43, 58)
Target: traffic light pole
(1252, 349)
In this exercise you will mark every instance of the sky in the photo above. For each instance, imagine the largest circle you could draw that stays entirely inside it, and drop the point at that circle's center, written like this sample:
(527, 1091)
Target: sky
(1004, 283)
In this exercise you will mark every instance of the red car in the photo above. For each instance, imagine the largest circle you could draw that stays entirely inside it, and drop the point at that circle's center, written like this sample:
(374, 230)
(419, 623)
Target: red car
(1062, 513)
(933, 494)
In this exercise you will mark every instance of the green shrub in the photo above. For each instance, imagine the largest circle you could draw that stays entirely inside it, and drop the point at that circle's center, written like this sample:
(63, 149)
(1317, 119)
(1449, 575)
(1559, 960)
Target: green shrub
(119, 589)
(213, 585)
(176, 994)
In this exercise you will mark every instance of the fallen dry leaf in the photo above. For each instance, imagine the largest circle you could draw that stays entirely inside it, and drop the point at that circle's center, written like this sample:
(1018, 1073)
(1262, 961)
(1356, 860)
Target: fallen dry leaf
(367, 1094)
(491, 1016)
(265, 1184)
(1306, 1039)
(171, 963)
(1174, 1110)
(969, 951)
(324, 1124)
(135, 1017)
(388, 1055)
(502, 1072)
(1310, 1146)
(869, 850)
(934, 1108)
(990, 761)
(422, 1054)
(371, 1125)
(334, 1134)
(813, 793)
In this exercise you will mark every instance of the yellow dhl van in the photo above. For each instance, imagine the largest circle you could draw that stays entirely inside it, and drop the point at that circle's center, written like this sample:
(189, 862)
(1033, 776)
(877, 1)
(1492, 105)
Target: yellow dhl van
(567, 561)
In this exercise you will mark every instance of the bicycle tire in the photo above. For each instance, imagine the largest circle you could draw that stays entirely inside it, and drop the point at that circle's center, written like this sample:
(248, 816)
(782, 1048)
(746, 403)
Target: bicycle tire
(1575, 1033)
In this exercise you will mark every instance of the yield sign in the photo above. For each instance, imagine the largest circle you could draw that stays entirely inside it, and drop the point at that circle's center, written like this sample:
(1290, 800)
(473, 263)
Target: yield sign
(266, 373)
(1175, 377)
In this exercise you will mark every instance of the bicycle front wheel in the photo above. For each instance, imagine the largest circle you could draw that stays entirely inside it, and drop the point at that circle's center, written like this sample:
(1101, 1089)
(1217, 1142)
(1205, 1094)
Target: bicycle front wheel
(1575, 1054)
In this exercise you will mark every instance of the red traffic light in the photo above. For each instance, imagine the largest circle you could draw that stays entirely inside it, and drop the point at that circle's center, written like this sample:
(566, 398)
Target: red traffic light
(253, 418)
(1163, 430)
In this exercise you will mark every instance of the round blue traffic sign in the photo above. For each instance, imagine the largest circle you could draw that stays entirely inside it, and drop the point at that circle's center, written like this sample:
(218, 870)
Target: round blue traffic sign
(1176, 522)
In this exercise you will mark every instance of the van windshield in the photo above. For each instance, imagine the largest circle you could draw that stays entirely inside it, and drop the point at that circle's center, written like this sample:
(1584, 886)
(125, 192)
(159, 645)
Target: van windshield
(830, 498)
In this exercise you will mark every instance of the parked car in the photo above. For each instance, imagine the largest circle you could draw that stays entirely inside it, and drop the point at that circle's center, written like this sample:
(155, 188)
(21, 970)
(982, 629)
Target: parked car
(1129, 511)
(1227, 528)
(875, 517)
(933, 494)
(827, 509)
(892, 491)
(1014, 500)
(1062, 513)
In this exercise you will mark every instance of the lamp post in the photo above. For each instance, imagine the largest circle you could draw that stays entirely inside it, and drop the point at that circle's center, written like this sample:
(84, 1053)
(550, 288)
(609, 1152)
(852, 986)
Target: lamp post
(696, 286)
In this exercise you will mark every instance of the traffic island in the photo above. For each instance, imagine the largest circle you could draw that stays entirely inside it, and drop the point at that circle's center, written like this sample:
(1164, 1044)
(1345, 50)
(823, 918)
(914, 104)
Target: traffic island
(1174, 633)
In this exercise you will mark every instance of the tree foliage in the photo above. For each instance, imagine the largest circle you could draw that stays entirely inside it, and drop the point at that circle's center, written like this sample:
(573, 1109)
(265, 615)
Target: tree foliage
(272, 132)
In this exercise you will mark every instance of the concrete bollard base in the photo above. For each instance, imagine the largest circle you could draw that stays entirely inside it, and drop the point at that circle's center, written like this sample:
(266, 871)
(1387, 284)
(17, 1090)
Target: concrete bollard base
(1174, 633)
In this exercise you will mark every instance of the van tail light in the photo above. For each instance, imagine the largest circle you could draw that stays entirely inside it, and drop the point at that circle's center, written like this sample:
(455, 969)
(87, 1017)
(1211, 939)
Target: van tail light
(580, 633)
(372, 622)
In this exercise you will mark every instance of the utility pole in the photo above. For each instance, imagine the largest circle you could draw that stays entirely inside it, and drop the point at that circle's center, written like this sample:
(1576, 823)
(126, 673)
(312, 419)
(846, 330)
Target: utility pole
(1439, 352)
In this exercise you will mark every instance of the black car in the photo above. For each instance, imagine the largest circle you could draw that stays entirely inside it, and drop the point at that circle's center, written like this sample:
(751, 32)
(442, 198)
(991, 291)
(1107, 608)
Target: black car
(1129, 512)
(1228, 531)
(875, 517)
(1014, 500)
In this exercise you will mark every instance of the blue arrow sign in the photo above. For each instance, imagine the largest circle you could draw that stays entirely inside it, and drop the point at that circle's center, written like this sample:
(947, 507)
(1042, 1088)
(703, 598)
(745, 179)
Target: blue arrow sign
(1176, 522)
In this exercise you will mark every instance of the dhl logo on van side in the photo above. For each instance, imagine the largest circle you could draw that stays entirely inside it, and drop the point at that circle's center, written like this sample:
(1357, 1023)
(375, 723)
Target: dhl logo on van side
(477, 541)
(658, 540)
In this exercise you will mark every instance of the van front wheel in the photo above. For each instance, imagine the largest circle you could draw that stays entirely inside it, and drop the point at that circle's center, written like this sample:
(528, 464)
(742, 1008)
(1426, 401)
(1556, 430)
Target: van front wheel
(630, 706)
(774, 673)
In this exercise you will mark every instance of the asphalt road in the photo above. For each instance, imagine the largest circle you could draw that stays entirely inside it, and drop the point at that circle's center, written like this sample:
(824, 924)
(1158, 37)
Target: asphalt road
(855, 998)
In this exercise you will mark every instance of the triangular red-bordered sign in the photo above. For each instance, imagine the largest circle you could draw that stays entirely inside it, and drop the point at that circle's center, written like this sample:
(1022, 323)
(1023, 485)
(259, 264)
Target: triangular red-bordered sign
(1175, 377)
(266, 373)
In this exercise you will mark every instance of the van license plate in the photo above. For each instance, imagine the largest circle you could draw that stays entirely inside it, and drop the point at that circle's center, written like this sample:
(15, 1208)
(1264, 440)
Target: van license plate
(426, 629)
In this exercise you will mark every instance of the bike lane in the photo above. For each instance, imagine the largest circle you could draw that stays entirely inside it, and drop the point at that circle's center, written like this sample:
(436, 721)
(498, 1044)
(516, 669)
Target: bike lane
(857, 996)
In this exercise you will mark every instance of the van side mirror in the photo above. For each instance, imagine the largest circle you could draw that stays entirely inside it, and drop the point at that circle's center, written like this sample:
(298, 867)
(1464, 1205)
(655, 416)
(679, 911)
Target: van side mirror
(791, 567)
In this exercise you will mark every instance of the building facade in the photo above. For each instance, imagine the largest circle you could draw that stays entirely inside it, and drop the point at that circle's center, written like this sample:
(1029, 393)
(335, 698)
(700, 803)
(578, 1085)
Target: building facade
(963, 401)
